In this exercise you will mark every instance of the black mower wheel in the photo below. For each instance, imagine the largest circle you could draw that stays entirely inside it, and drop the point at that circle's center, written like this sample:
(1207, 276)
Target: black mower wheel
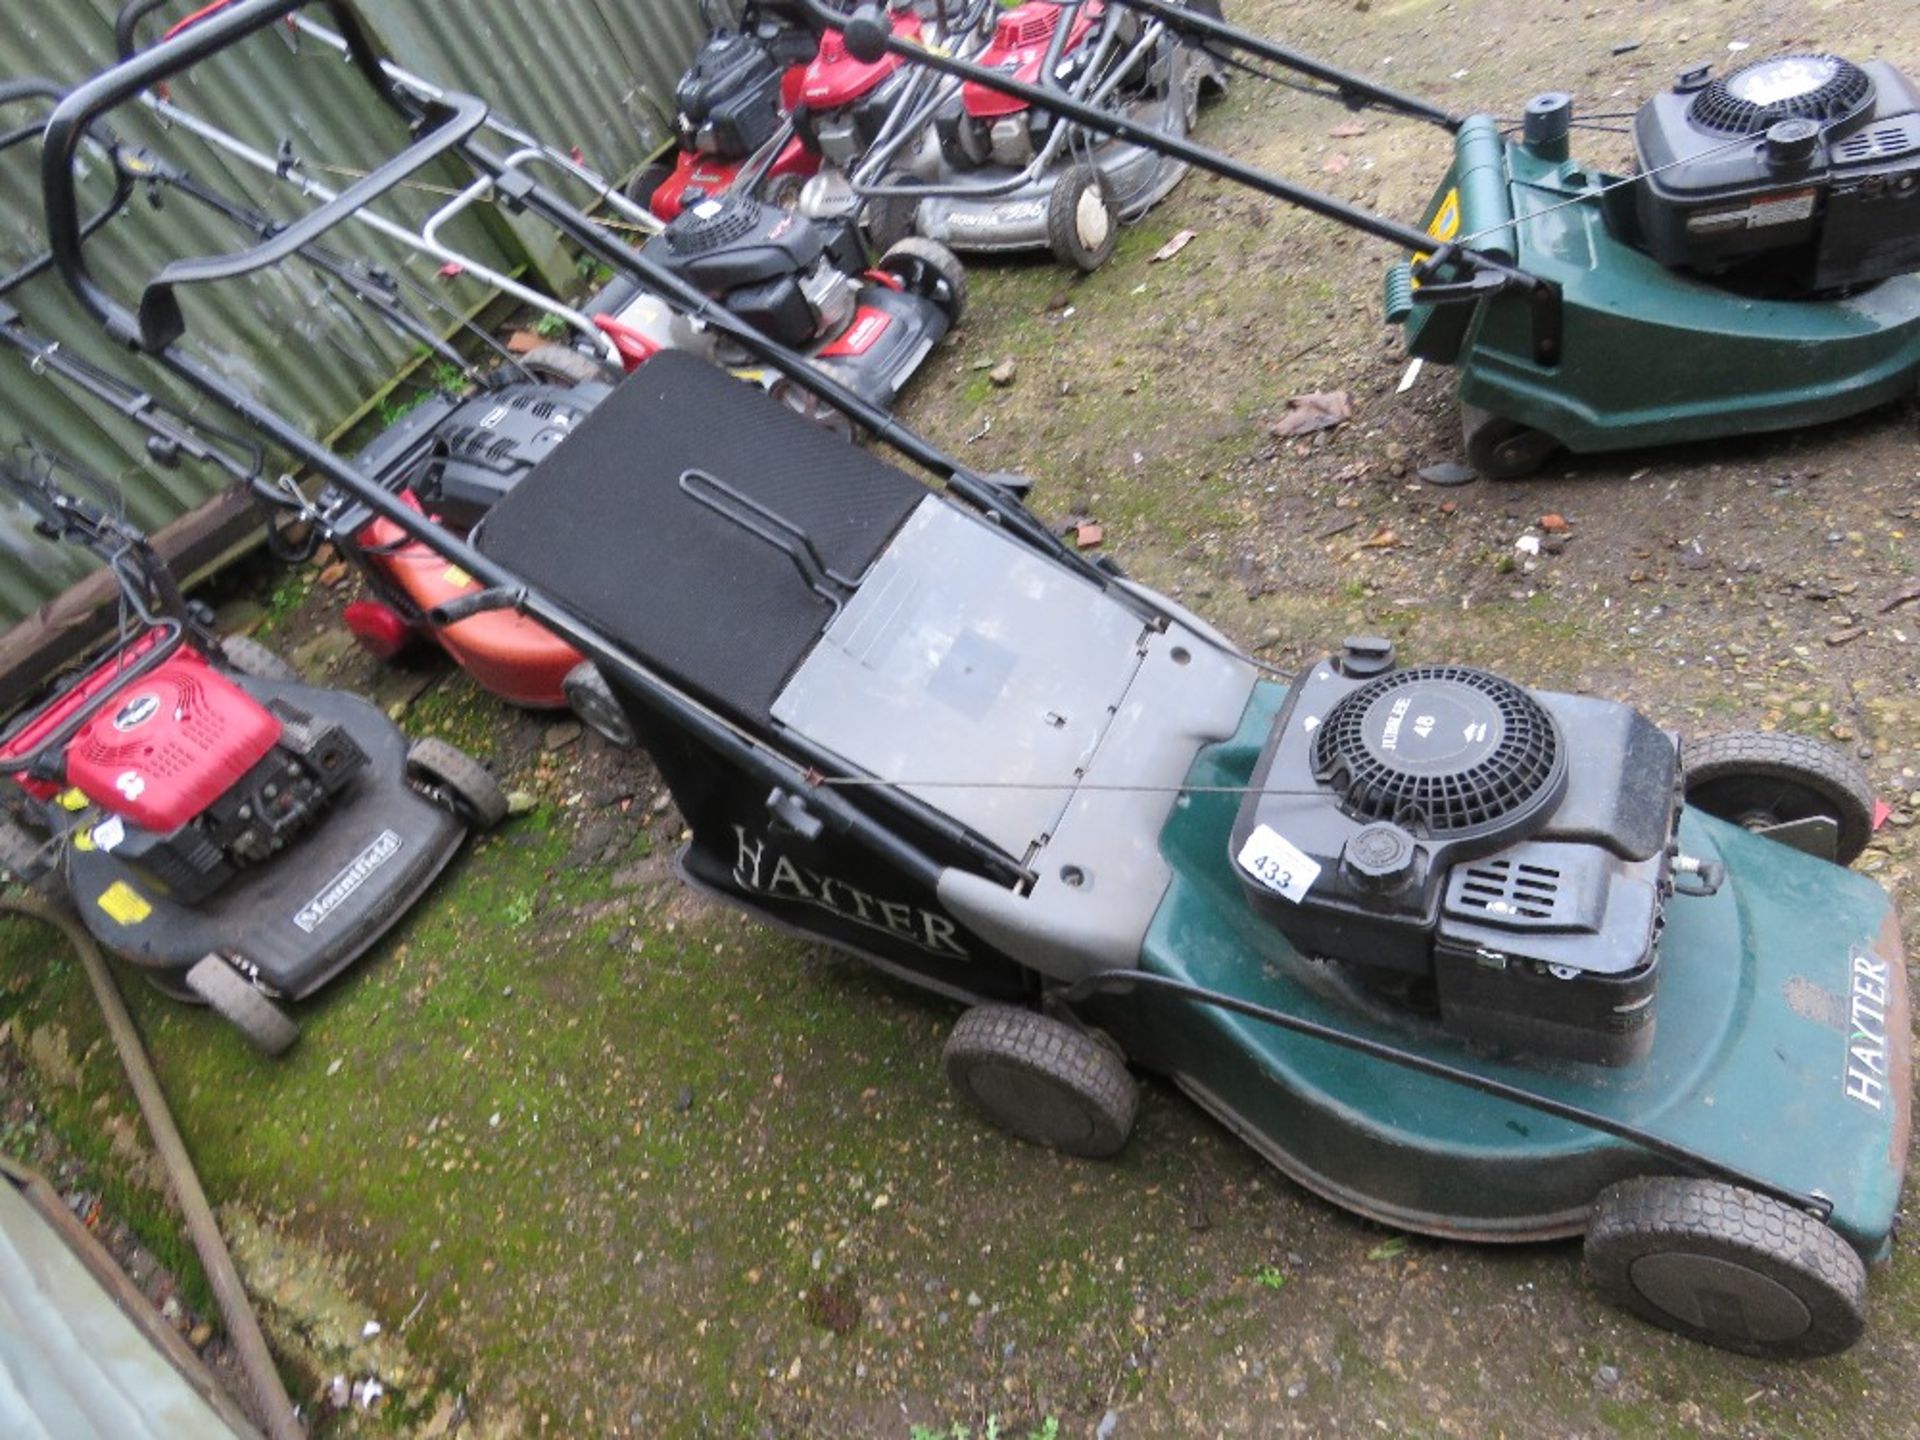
(24, 857)
(892, 218)
(1042, 1080)
(809, 406)
(563, 365)
(1759, 779)
(651, 177)
(930, 270)
(466, 785)
(1503, 449)
(592, 700)
(264, 1024)
(1727, 1267)
(782, 191)
(249, 657)
(1082, 225)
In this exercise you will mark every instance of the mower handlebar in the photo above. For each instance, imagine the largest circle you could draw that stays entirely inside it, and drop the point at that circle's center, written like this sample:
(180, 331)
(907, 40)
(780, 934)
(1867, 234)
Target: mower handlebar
(34, 87)
(158, 321)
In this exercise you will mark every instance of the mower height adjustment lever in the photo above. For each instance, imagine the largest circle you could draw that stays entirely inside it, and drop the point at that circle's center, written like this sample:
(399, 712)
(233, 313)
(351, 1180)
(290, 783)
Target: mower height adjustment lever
(1477, 276)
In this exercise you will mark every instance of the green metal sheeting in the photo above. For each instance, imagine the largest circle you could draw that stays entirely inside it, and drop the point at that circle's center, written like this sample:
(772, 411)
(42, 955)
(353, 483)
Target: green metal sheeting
(593, 75)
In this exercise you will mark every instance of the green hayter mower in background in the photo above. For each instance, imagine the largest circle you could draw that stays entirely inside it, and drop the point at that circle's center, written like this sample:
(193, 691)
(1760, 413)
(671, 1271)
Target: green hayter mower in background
(1756, 271)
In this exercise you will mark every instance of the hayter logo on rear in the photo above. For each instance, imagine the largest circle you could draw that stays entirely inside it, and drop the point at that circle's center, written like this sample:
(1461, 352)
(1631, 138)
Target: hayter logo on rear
(337, 891)
(1867, 1033)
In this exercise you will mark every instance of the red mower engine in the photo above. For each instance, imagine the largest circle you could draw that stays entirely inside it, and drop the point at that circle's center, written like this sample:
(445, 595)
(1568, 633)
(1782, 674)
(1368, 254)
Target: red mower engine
(983, 126)
(1799, 174)
(842, 102)
(199, 779)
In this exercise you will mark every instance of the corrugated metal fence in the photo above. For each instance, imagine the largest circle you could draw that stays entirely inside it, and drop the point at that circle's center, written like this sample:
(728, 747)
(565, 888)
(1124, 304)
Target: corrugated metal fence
(592, 75)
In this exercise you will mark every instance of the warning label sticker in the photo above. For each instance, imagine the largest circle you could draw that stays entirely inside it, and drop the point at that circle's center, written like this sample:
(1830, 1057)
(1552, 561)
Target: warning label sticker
(124, 904)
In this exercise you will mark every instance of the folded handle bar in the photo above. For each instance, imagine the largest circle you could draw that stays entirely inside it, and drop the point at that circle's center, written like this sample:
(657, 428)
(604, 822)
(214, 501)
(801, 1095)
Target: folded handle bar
(441, 127)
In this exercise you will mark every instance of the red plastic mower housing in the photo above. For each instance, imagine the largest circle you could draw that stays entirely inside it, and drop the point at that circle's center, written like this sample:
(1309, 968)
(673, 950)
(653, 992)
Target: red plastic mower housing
(170, 745)
(1018, 47)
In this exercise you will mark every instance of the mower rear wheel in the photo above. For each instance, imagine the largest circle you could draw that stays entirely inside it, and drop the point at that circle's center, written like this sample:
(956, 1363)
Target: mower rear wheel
(249, 657)
(592, 700)
(1760, 779)
(466, 785)
(651, 177)
(1042, 1080)
(1503, 449)
(563, 365)
(264, 1024)
(23, 858)
(1728, 1267)
(1081, 224)
(930, 270)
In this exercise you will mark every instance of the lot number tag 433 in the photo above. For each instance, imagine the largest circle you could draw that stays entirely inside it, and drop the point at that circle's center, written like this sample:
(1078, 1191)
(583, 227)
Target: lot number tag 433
(1277, 863)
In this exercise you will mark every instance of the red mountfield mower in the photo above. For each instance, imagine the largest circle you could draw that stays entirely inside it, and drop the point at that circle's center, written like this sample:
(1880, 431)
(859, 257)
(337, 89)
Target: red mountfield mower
(237, 835)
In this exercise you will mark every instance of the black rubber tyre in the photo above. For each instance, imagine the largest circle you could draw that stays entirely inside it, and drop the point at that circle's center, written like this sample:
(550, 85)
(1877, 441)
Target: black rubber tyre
(1728, 1267)
(930, 270)
(249, 657)
(651, 177)
(892, 218)
(264, 1023)
(24, 857)
(592, 700)
(563, 365)
(1503, 449)
(466, 785)
(809, 406)
(782, 191)
(1042, 1080)
(1758, 778)
(1082, 225)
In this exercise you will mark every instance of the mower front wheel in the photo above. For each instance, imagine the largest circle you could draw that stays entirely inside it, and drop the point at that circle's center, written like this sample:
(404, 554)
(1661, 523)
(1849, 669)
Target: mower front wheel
(249, 657)
(893, 217)
(466, 785)
(1760, 779)
(930, 270)
(1503, 449)
(1728, 1267)
(264, 1024)
(1042, 1080)
(558, 364)
(1081, 224)
(593, 701)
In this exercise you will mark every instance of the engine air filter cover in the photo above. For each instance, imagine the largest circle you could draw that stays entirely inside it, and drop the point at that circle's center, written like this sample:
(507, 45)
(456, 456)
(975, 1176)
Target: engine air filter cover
(1821, 88)
(1444, 751)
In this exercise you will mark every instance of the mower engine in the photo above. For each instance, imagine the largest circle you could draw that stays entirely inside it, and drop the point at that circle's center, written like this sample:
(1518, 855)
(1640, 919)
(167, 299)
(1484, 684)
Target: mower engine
(1799, 173)
(728, 103)
(198, 779)
(982, 126)
(790, 277)
(488, 442)
(843, 102)
(1461, 843)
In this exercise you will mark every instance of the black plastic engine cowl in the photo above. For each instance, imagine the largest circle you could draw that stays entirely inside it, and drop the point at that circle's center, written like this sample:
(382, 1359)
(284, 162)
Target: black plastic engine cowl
(1800, 173)
(1530, 923)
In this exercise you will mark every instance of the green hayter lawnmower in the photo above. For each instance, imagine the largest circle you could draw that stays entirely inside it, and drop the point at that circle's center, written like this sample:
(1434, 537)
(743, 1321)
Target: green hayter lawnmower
(1454, 953)
(1756, 272)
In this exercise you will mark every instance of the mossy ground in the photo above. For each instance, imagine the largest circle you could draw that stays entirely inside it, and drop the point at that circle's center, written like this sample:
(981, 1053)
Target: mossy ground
(642, 1168)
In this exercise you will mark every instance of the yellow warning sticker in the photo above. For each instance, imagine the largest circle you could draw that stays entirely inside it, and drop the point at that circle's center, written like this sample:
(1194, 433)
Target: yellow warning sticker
(456, 576)
(83, 838)
(124, 904)
(1446, 220)
(73, 800)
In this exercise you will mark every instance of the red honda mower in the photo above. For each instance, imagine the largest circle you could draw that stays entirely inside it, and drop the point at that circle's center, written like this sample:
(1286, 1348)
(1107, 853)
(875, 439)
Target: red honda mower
(978, 169)
(237, 835)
